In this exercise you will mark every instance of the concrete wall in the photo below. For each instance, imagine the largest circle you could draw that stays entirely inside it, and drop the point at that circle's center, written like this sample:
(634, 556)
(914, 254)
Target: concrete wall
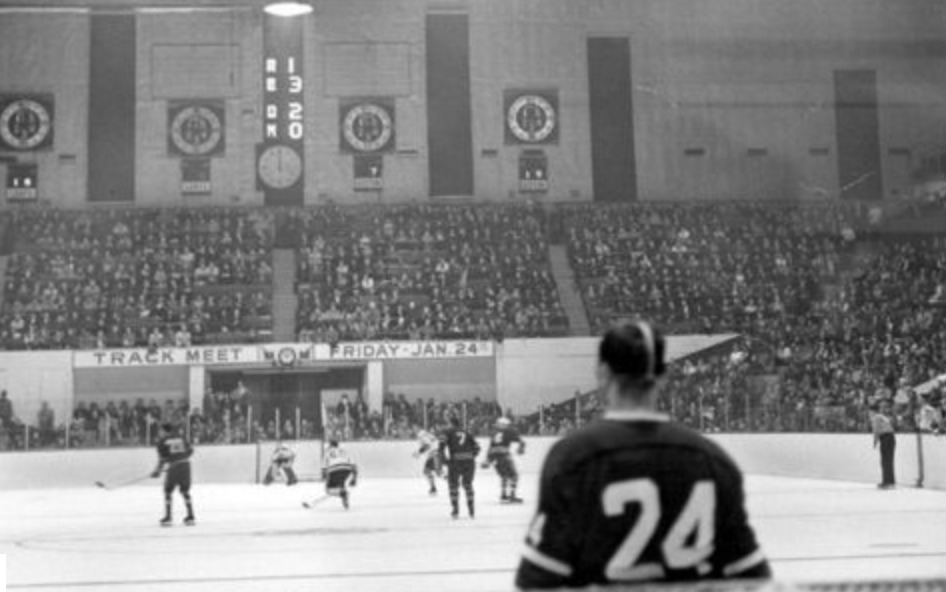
(847, 457)
(722, 75)
(31, 378)
(533, 372)
(49, 53)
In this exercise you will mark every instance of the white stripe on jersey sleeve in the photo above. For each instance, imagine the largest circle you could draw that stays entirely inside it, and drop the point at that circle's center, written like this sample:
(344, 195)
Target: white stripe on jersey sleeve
(749, 561)
(547, 563)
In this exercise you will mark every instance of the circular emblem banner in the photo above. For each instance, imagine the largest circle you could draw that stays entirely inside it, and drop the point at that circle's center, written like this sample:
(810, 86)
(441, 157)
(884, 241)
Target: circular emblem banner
(26, 123)
(531, 117)
(196, 129)
(367, 125)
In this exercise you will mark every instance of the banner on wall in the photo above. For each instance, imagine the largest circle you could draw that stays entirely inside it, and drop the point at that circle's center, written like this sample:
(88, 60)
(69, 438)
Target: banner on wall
(367, 124)
(531, 116)
(195, 176)
(22, 181)
(288, 355)
(281, 354)
(196, 128)
(533, 172)
(26, 122)
(406, 350)
(368, 170)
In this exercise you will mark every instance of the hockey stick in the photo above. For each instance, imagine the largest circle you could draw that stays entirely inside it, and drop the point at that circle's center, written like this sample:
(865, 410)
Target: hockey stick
(316, 501)
(121, 484)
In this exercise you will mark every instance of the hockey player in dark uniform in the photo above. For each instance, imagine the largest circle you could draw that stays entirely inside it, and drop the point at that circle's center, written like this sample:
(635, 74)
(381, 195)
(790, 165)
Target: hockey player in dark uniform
(459, 448)
(339, 472)
(281, 463)
(174, 453)
(632, 497)
(500, 454)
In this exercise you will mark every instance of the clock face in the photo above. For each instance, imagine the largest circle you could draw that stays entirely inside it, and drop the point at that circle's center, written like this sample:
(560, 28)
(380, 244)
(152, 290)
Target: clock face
(280, 167)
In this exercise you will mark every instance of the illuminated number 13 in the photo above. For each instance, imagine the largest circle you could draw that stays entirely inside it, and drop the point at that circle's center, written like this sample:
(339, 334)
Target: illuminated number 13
(696, 518)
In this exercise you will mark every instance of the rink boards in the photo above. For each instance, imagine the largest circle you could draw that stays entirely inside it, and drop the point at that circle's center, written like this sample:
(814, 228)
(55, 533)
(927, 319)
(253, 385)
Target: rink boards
(847, 457)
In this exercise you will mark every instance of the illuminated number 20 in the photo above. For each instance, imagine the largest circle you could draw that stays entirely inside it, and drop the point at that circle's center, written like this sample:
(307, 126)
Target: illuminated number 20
(696, 518)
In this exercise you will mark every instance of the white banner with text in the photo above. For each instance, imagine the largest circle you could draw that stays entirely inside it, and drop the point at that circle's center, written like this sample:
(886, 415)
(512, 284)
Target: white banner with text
(280, 354)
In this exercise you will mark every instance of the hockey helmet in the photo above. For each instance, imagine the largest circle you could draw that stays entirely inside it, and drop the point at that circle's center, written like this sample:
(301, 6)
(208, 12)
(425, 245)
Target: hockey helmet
(503, 422)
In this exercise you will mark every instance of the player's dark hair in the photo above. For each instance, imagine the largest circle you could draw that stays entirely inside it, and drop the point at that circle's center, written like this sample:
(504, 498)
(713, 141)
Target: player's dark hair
(333, 443)
(167, 426)
(455, 421)
(634, 352)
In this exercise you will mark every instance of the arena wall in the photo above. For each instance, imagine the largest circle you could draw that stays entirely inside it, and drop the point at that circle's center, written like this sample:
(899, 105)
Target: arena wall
(845, 457)
(520, 374)
(724, 77)
(49, 53)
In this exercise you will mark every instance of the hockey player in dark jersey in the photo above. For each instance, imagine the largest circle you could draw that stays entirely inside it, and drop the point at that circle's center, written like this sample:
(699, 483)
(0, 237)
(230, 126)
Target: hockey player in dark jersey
(500, 454)
(632, 497)
(281, 464)
(174, 452)
(459, 448)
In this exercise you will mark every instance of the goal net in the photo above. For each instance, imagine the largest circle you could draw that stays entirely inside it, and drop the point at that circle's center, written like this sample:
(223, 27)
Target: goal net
(307, 463)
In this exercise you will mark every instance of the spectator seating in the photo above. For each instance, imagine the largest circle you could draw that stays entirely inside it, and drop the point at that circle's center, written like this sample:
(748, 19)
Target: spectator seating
(137, 277)
(425, 272)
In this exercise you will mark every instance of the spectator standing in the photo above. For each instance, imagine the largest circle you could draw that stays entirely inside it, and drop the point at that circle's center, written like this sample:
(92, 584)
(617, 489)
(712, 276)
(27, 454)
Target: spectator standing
(6, 411)
(46, 420)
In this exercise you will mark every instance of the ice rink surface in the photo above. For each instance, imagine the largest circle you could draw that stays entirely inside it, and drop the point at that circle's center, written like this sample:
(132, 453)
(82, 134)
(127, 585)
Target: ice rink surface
(396, 537)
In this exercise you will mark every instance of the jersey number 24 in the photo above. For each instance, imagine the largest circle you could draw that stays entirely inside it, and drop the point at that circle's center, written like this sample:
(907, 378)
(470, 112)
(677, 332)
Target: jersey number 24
(688, 543)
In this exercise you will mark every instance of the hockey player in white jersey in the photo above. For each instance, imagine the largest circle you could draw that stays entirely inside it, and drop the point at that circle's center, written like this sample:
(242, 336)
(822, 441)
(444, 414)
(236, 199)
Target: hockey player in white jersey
(429, 445)
(339, 472)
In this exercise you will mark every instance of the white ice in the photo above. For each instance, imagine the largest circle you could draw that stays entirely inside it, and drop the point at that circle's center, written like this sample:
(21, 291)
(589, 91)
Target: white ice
(396, 537)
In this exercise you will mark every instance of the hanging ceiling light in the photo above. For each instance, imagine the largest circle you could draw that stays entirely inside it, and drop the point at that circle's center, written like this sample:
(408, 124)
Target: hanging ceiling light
(288, 8)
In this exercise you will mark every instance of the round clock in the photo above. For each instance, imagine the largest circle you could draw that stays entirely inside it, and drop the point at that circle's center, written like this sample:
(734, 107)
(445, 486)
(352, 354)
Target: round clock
(279, 167)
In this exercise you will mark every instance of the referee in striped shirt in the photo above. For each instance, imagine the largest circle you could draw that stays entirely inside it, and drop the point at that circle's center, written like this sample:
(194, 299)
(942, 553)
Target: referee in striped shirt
(882, 425)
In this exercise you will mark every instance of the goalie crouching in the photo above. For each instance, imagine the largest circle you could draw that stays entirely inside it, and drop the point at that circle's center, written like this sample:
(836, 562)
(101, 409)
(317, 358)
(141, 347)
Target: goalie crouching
(281, 465)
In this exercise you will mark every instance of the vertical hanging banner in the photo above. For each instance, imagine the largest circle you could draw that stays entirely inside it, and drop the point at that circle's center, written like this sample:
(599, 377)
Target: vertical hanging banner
(26, 122)
(22, 180)
(531, 116)
(281, 154)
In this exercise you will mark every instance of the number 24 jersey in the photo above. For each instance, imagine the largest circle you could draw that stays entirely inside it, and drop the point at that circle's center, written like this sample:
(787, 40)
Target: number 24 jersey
(635, 498)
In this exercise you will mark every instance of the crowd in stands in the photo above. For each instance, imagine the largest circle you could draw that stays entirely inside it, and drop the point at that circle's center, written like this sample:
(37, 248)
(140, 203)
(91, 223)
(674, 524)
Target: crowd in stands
(425, 272)
(704, 267)
(401, 419)
(137, 277)
(819, 347)
(225, 418)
